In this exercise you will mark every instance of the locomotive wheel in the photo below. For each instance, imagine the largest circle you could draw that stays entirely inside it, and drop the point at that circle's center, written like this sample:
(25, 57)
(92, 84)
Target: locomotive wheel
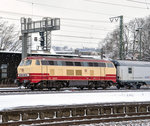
(95, 88)
(138, 86)
(32, 88)
(128, 87)
(81, 88)
(118, 87)
(90, 88)
(90, 85)
(58, 88)
(40, 86)
(49, 88)
(104, 87)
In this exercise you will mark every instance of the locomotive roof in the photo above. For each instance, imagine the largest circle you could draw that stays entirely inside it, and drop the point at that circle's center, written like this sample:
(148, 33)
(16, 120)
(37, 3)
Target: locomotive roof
(131, 63)
(66, 59)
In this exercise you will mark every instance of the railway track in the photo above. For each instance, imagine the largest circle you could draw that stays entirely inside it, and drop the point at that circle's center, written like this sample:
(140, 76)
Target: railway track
(16, 91)
(82, 120)
(76, 114)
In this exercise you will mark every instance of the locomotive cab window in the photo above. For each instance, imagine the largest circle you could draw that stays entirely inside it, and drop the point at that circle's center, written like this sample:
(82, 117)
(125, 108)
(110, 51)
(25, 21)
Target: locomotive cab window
(28, 62)
(129, 70)
(21, 63)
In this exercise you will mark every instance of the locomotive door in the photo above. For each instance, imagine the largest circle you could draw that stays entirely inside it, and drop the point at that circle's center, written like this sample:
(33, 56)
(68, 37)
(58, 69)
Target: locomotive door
(102, 71)
(44, 70)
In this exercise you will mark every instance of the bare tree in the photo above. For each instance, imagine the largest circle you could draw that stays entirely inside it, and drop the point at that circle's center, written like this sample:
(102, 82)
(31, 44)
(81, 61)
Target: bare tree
(136, 38)
(9, 38)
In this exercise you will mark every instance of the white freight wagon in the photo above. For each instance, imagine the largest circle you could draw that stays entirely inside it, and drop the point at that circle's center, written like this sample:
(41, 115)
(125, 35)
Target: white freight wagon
(132, 73)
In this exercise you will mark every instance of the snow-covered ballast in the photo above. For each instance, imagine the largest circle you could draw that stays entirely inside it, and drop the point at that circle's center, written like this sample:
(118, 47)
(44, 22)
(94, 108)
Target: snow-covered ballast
(132, 73)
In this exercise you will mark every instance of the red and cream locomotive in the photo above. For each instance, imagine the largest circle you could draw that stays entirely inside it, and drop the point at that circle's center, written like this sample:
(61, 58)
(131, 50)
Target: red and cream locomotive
(39, 72)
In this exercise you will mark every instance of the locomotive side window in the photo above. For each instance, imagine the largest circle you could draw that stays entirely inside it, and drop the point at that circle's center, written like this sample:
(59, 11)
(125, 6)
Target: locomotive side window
(44, 62)
(129, 70)
(77, 64)
(69, 63)
(63, 63)
(102, 65)
(59, 63)
(50, 62)
(95, 64)
(90, 64)
(110, 65)
(28, 62)
(85, 64)
(37, 62)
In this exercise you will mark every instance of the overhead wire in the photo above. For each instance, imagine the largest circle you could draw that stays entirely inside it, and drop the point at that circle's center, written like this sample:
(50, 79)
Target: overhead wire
(135, 1)
(66, 8)
(68, 41)
(76, 36)
(82, 27)
(138, 1)
(89, 32)
(81, 10)
(114, 4)
(41, 16)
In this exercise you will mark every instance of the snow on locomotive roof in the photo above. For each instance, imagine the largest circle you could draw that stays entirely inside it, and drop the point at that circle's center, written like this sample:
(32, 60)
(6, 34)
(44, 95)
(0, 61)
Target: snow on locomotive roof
(68, 59)
(131, 63)
(54, 55)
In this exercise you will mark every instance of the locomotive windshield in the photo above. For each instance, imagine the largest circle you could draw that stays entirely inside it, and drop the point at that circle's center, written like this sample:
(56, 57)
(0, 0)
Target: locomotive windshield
(25, 63)
(28, 62)
(21, 63)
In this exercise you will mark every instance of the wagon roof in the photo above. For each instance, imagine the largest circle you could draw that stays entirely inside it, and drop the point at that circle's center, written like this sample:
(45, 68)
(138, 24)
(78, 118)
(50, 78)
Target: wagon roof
(66, 59)
(131, 63)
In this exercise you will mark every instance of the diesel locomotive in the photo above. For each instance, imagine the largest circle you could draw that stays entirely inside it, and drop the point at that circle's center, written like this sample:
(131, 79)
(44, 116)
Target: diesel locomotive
(38, 72)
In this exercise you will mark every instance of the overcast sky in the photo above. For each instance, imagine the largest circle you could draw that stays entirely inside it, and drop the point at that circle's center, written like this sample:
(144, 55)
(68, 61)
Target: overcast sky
(84, 23)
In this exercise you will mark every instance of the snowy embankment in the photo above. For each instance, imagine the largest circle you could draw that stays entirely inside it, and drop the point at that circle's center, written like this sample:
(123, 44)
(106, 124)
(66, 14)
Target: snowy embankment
(15, 101)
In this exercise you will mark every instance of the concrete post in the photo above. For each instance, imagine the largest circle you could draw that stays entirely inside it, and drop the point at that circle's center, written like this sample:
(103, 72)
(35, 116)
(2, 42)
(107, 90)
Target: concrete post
(24, 45)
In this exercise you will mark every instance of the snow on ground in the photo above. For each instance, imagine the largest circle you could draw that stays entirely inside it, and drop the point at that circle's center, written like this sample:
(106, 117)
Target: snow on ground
(15, 101)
